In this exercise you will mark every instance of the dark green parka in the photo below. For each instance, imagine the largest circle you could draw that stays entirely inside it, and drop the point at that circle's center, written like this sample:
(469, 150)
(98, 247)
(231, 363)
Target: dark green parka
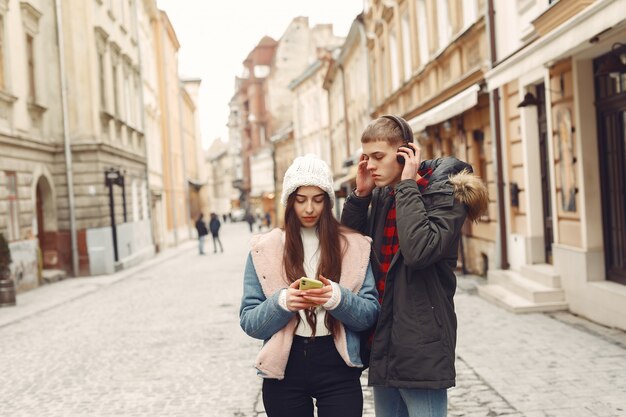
(415, 337)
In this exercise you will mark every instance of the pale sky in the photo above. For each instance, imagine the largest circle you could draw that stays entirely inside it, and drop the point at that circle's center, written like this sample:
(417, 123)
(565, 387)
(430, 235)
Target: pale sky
(216, 36)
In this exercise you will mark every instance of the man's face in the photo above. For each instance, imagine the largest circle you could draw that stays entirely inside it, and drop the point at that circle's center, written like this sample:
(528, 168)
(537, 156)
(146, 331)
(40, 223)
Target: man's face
(382, 163)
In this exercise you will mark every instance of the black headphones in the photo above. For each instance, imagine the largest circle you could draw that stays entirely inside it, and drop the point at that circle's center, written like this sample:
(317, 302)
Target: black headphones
(407, 133)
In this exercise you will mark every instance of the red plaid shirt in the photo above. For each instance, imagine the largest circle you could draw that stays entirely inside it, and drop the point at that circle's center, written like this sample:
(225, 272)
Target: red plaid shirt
(390, 243)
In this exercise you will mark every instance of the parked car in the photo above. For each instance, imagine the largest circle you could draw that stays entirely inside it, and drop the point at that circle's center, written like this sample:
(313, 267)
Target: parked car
(238, 215)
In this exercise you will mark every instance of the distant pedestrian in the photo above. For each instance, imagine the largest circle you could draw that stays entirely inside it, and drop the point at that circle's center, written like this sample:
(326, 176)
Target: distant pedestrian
(214, 226)
(312, 341)
(268, 220)
(224, 217)
(250, 220)
(202, 232)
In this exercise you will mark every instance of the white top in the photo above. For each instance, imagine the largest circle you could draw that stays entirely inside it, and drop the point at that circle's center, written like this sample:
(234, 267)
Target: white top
(310, 244)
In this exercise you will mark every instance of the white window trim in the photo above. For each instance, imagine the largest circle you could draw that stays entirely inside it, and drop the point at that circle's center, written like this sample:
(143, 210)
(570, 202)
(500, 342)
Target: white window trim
(406, 47)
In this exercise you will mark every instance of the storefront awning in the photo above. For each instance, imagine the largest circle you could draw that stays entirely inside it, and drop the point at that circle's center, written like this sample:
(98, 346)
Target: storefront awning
(456, 105)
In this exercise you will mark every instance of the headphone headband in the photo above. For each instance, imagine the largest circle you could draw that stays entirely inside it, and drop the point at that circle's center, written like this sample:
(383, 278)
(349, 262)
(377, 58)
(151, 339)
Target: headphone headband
(407, 134)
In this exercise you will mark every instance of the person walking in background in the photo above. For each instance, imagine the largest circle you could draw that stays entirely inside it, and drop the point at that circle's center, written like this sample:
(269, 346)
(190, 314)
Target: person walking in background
(414, 211)
(268, 220)
(214, 226)
(250, 220)
(312, 340)
(202, 232)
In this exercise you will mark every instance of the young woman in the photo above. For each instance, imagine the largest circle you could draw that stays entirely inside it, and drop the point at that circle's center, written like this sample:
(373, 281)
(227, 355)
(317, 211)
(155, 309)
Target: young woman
(312, 343)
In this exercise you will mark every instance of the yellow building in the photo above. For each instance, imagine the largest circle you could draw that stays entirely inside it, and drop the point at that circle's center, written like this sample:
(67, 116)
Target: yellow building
(180, 138)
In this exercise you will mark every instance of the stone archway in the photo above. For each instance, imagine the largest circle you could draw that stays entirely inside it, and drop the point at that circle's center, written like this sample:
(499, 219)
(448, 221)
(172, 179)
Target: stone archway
(46, 215)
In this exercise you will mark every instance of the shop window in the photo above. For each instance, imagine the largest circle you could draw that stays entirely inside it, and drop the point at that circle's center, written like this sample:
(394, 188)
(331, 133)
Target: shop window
(12, 199)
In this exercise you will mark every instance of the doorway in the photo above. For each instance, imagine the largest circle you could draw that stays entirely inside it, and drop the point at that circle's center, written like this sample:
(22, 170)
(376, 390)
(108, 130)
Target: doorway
(542, 125)
(611, 112)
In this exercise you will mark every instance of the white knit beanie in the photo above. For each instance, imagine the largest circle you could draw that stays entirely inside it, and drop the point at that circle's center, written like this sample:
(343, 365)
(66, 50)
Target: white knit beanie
(308, 170)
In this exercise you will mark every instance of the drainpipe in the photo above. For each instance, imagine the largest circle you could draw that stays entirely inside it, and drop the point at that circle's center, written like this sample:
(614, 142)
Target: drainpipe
(345, 110)
(181, 86)
(370, 83)
(502, 261)
(142, 116)
(66, 139)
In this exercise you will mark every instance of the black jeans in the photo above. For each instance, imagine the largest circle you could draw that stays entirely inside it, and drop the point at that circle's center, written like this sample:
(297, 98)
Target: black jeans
(314, 370)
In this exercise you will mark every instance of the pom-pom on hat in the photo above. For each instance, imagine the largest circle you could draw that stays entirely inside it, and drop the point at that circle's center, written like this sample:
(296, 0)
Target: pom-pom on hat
(308, 170)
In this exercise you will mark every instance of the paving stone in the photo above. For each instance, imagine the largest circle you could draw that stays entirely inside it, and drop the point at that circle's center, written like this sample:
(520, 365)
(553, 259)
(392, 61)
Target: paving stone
(164, 340)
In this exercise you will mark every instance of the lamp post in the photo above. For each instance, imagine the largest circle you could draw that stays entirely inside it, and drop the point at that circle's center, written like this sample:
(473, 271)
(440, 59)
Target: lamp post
(112, 177)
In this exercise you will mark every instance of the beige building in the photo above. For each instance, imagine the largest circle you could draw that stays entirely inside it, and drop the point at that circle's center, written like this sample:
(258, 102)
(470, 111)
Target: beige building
(178, 132)
(348, 85)
(559, 83)
(427, 63)
(310, 109)
(34, 214)
(218, 163)
(195, 169)
(146, 16)
(105, 129)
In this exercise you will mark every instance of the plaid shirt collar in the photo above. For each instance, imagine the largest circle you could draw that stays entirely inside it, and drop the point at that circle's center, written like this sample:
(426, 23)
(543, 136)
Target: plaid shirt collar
(390, 242)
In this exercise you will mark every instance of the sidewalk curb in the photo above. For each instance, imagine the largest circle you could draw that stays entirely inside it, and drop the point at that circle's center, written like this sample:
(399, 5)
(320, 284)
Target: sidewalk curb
(50, 296)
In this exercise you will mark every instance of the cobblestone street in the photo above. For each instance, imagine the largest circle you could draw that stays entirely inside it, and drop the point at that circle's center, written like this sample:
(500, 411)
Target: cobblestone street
(163, 339)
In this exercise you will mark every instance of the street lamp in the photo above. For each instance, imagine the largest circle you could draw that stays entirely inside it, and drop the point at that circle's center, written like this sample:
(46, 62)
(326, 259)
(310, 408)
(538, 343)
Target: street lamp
(113, 177)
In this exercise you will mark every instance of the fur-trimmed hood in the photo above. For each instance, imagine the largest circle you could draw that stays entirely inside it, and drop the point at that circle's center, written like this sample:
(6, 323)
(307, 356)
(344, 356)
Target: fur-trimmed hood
(468, 188)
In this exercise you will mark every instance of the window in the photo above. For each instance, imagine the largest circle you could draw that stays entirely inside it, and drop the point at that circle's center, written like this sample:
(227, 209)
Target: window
(406, 47)
(2, 82)
(470, 12)
(144, 200)
(127, 106)
(383, 72)
(122, 14)
(135, 200)
(12, 197)
(394, 61)
(116, 98)
(103, 86)
(422, 32)
(30, 67)
(444, 28)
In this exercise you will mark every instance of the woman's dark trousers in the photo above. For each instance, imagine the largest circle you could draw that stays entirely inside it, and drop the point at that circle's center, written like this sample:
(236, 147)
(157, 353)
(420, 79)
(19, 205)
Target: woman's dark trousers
(315, 370)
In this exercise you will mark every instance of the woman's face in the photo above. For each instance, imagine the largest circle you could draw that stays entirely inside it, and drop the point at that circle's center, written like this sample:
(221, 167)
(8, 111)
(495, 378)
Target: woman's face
(309, 204)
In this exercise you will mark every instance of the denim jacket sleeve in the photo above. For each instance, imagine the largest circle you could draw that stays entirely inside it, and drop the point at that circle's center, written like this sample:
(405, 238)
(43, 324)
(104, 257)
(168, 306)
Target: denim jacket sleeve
(359, 312)
(260, 317)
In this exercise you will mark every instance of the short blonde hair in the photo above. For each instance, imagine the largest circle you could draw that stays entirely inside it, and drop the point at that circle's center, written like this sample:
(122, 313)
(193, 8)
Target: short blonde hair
(383, 130)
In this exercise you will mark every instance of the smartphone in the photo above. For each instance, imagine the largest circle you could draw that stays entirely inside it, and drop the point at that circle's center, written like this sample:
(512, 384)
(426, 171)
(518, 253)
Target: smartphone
(309, 284)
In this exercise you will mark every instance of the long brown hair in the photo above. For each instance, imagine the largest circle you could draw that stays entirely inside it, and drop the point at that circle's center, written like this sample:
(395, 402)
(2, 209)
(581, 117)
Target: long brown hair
(331, 235)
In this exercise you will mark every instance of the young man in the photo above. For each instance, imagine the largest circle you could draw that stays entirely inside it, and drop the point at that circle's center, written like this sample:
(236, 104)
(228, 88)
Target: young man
(202, 232)
(414, 212)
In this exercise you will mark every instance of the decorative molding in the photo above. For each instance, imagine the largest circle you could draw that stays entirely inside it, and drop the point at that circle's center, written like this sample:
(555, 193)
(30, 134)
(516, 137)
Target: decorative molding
(115, 53)
(101, 39)
(30, 17)
(524, 5)
(4, 6)
(558, 13)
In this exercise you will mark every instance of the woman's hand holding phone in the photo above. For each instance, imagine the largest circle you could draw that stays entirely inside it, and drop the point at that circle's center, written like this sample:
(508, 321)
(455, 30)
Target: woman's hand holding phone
(319, 296)
(295, 298)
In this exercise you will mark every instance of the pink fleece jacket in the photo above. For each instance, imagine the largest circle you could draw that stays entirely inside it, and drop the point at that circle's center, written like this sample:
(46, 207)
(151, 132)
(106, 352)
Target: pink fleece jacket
(267, 255)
